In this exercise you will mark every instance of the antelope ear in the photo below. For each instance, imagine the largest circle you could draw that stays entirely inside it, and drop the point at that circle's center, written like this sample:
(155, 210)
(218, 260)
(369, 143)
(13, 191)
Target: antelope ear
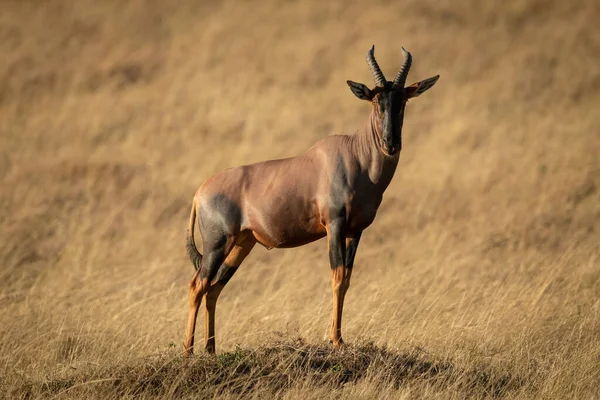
(418, 88)
(360, 90)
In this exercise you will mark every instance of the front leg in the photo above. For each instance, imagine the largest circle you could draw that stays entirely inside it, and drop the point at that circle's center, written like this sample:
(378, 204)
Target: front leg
(341, 257)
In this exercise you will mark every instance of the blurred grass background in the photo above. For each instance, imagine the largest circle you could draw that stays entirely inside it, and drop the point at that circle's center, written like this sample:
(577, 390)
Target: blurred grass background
(484, 252)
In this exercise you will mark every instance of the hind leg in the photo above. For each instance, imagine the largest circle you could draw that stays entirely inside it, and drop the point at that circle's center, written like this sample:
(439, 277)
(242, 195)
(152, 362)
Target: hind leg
(216, 252)
(235, 258)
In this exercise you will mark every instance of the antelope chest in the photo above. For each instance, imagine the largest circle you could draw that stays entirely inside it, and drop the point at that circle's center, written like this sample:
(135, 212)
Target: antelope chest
(361, 211)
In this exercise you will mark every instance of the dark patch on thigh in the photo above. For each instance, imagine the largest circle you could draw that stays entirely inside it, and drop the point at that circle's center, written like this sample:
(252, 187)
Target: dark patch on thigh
(226, 207)
(219, 216)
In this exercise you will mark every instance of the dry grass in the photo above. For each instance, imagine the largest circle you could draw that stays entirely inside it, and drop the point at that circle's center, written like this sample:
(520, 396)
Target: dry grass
(278, 367)
(479, 278)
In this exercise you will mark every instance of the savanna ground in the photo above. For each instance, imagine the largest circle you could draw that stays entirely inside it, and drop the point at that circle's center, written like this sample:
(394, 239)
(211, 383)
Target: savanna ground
(479, 278)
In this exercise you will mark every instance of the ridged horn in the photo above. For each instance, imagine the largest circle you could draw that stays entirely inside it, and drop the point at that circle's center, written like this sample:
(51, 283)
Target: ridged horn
(374, 67)
(400, 80)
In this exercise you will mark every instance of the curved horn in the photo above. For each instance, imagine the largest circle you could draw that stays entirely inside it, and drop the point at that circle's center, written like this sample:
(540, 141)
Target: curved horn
(403, 73)
(374, 67)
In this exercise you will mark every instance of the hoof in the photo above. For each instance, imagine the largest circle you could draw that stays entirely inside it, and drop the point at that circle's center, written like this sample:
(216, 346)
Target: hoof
(188, 351)
(209, 350)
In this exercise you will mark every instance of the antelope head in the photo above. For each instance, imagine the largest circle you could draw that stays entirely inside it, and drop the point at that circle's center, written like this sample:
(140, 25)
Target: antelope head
(389, 100)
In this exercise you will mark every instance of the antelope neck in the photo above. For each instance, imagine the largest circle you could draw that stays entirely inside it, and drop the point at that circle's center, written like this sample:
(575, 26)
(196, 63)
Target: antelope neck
(368, 151)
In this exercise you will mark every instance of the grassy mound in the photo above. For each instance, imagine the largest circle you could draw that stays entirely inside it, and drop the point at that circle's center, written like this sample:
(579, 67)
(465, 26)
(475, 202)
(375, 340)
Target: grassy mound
(280, 367)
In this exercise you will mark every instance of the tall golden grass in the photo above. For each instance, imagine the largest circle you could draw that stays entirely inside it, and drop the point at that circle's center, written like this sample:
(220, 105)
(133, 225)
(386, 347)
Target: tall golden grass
(482, 266)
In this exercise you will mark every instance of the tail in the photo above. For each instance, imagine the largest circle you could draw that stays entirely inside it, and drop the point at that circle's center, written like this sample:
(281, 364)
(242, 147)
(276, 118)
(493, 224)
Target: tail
(193, 252)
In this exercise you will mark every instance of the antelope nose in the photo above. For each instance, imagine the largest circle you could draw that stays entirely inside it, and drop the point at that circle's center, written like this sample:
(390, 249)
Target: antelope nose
(390, 149)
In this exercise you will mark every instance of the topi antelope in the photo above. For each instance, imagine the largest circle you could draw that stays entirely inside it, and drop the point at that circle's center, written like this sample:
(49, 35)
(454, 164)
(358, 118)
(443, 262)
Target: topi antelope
(334, 189)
